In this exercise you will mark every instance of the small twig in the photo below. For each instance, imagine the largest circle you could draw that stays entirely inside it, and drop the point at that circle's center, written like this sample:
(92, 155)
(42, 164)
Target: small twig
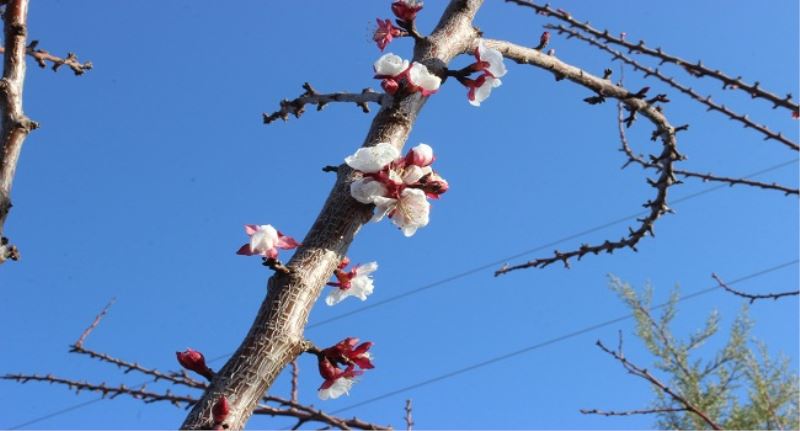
(94, 323)
(644, 374)
(276, 265)
(297, 106)
(409, 418)
(632, 412)
(705, 100)
(753, 297)
(330, 168)
(43, 57)
(694, 69)
(295, 374)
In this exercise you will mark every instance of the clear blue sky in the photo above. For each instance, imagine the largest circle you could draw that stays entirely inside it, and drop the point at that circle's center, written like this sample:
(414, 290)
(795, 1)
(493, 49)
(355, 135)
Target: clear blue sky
(145, 169)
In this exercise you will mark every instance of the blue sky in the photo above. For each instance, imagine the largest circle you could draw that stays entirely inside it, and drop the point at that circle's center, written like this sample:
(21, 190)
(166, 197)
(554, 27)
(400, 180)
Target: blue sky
(145, 169)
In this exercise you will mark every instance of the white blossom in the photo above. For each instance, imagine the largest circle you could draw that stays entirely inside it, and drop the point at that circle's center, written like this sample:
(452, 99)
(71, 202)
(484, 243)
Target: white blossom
(480, 93)
(419, 76)
(340, 387)
(372, 159)
(361, 285)
(411, 211)
(366, 190)
(390, 65)
(494, 59)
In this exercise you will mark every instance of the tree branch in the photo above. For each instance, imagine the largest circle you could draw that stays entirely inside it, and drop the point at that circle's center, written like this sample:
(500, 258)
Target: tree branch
(276, 336)
(14, 124)
(711, 105)
(636, 103)
(753, 297)
(694, 69)
(297, 106)
(630, 412)
(43, 57)
(643, 373)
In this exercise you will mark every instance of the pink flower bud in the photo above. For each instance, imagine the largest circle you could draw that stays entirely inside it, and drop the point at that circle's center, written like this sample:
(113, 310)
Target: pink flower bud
(421, 155)
(390, 86)
(385, 33)
(433, 185)
(221, 410)
(193, 360)
(406, 10)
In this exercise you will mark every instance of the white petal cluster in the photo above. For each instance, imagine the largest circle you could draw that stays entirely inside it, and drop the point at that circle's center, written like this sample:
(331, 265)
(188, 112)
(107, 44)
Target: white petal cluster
(390, 65)
(481, 93)
(264, 238)
(372, 159)
(492, 56)
(421, 77)
(361, 285)
(340, 387)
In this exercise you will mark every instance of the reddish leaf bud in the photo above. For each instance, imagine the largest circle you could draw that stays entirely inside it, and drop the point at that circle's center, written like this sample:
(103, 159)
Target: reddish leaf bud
(390, 86)
(193, 360)
(221, 410)
(406, 10)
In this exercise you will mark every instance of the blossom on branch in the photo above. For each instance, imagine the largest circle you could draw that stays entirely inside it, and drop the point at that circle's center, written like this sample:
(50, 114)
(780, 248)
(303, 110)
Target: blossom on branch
(390, 68)
(347, 353)
(356, 282)
(422, 80)
(385, 32)
(489, 60)
(397, 186)
(480, 89)
(406, 10)
(265, 241)
(193, 360)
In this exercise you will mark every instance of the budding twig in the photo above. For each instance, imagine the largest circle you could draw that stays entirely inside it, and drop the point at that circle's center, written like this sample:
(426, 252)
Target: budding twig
(297, 106)
(753, 297)
(43, 57)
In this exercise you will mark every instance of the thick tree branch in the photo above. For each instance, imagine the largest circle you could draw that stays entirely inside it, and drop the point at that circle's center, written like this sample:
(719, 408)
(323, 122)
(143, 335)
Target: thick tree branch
(276, 336)
(641, 161)
(705, 100)
(297, 106)
(695, 69)
(644, 374)
(14, 124)
(43, 57)
(754, 297)
(635, 103)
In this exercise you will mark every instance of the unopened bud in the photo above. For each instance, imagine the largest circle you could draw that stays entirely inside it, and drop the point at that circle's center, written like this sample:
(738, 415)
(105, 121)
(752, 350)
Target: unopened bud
(221, 410)
(194, 361)
(421, 155)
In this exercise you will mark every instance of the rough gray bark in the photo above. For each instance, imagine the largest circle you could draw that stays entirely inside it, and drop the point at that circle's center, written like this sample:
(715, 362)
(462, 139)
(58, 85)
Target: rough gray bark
(14, 125)
(276, 336)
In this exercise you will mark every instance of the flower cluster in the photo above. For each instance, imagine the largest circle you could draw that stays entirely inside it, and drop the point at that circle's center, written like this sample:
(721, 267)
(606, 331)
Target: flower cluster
(385, 32)
(406, 10)
(489, 63)
(356, 282)
(393, 70)
(399, 187)
(265, 241)
(347, 353)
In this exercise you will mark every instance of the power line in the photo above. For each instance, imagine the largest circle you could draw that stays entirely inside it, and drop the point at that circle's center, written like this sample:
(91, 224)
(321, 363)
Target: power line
(551, 341)
(452, 278)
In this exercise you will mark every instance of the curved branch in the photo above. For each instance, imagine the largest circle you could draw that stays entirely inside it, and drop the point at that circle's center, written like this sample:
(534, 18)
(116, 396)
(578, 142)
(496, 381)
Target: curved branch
(14, 124)
(640, 160)
(711, 105)
(297, 106)
(753, 297)
(636, 103)
(694, 69)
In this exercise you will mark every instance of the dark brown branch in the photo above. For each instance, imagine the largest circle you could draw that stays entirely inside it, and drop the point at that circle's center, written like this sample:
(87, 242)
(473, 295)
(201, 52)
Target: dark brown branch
(636, 103)
(14, 124)
(644, 374)
(295, 375)
(754, 297)
(409, 417)
(297, 106)
(705, 100)
(695, 69)
(631, 412)
(641, 161)
(43, 57)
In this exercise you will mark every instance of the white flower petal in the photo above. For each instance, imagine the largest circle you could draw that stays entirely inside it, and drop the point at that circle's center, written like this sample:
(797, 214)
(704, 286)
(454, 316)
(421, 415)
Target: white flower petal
(413, 173)
(340, 387)
(390, 65)
(383, 206)
(263, 239)
(372, 159)
(412, 211)
(421, 77)
(336, 296)
(493, 57)
(361, 286)
(482, 93)
(366, 190)
(367, 268)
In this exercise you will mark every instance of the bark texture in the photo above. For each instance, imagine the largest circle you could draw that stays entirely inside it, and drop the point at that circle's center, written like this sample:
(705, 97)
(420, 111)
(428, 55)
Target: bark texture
(14, 125)
(276, 336)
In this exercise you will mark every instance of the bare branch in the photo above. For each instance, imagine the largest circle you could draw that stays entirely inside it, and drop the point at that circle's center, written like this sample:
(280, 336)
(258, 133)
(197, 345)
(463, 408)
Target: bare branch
(94, 324)
(43, 57)
(14, 124)
(297, 106)
(409, 418)
(710, 104)
(640, 160)
(636, 103)
(295, 374)
(631, 412)
(753, 297)
(644, 374)
(694, 69)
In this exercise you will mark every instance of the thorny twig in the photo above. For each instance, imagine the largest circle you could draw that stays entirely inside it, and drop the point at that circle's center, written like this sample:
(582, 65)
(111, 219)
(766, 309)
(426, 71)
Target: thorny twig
(641, 161)
(631, 412)
(695, 69)
(710, 104)
(644, 374)
(297, 106)
(43, 57)
(753, 297)
(635, 102)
